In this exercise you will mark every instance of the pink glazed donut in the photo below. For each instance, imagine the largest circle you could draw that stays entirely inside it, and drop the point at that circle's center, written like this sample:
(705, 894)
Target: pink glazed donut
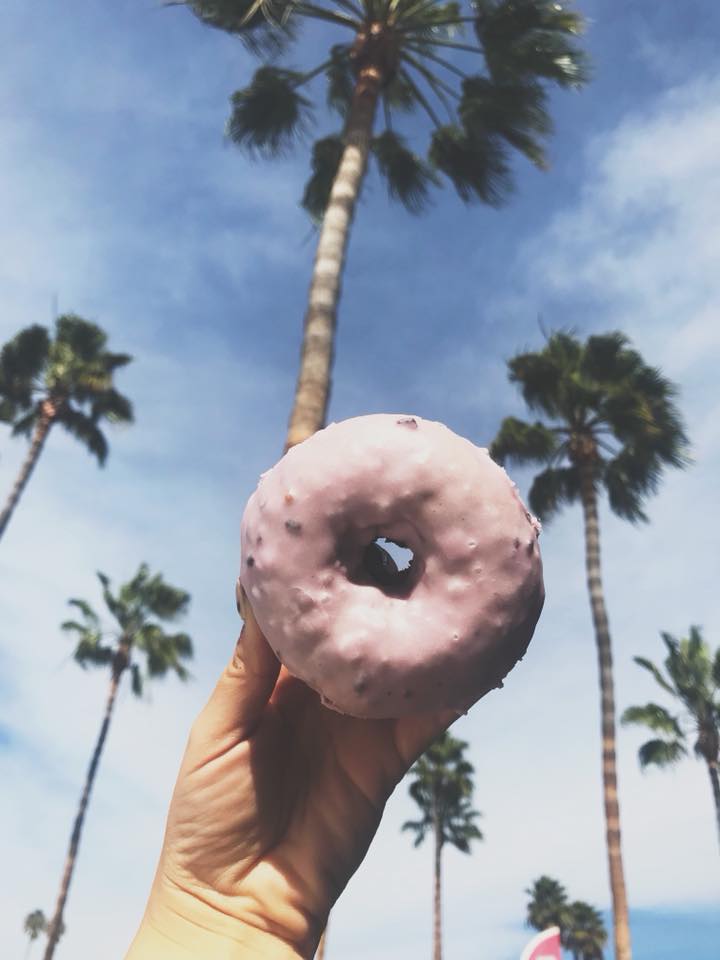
(375, 642)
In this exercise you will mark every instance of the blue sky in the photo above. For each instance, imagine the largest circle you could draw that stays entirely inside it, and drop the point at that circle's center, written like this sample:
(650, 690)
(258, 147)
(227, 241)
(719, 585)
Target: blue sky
(121, 199)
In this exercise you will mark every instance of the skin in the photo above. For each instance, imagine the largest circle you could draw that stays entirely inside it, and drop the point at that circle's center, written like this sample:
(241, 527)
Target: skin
(275, 806)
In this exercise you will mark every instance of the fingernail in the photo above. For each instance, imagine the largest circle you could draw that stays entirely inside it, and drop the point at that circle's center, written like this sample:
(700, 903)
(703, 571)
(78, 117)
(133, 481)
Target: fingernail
(241, 600)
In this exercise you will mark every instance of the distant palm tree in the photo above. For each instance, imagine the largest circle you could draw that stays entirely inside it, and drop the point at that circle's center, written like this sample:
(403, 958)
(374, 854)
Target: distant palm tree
(582, 930)
(66, 380)
(548, 904)
(484, 96)
(613, 426)
(35, 924)
(442, 786)
(584, 933)
(139, 609)
(692, 677)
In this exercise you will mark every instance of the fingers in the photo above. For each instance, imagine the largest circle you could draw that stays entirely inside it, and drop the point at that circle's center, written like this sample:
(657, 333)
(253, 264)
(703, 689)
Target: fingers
(414, 734)
(291, 696)
(242, 692)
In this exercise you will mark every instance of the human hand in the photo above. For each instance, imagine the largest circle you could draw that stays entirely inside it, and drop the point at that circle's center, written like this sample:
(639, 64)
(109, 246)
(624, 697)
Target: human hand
(277, 800)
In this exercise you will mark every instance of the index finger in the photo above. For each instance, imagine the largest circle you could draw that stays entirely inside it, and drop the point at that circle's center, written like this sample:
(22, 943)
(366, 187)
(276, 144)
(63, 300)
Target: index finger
(241, 694)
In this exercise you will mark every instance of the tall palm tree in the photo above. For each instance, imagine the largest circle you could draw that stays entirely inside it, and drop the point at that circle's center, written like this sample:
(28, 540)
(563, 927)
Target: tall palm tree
(548, 904)
(613, 426)
(67, 380)
(584, 934)
(477, 71)
(442, 786)
(692, 678)
(139, 609)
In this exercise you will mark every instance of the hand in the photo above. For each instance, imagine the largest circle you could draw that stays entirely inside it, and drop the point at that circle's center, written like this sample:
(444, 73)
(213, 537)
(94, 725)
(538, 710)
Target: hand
(276, 803)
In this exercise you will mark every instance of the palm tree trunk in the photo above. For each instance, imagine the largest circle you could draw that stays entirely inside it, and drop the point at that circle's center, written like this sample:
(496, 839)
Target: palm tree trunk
(715, 782)
(437, 905)
(55, 924)
(313, 385)
(623, 949)
(42, 428)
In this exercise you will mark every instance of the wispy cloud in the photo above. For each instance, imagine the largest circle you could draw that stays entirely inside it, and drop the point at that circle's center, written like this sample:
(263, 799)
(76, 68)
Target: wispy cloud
(642, 242)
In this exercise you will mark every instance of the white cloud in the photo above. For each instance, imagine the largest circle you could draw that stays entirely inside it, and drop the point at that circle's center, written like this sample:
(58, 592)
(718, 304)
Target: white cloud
(643, 240)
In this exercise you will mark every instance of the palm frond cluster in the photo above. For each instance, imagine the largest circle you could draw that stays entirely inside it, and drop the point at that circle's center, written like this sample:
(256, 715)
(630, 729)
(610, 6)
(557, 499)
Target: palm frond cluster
(478, 72)
(692, 679)
(582, 929)
(139, 608)
(607, 412)
(66, 378)
(442, 787)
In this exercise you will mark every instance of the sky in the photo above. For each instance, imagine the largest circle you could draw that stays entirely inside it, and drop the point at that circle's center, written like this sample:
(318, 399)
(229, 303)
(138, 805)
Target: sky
(121, 200)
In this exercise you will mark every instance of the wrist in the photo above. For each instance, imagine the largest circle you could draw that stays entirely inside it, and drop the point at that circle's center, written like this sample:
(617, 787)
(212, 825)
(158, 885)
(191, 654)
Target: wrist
(185, 942)
(201, 934)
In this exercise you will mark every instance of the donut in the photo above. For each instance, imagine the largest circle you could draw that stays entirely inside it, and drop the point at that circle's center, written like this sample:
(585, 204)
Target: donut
(373, 640)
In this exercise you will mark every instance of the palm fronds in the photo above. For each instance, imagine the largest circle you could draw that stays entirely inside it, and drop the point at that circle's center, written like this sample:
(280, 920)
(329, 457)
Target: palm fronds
(326, 157)
(607, 412)
(421, 51)
(408, 177)
(269, 114)
(476, 165)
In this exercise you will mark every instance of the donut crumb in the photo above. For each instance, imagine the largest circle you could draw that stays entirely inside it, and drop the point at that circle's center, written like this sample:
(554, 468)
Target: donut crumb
(293, 526)
(250, 561)
(408, 422)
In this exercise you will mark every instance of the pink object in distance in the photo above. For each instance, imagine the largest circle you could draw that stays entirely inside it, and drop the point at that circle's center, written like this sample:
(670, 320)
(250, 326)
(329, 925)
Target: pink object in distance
(544, 946)
(440, 635)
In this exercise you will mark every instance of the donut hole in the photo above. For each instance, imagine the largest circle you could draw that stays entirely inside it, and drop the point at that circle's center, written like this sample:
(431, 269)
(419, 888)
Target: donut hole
(401, 554)
(392, 567)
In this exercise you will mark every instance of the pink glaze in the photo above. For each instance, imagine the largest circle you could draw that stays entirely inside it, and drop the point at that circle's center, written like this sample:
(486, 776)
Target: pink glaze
(464, 614)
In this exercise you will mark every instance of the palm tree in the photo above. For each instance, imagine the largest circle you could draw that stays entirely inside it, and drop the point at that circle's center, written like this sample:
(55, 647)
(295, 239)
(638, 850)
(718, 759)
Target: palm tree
(479, 75)
(692, 677)
(548, 904)
(613, 426)
(584, 933)
(66, 380)
(442, 787)
(139, 608)
(35, 924)
(582, 930)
